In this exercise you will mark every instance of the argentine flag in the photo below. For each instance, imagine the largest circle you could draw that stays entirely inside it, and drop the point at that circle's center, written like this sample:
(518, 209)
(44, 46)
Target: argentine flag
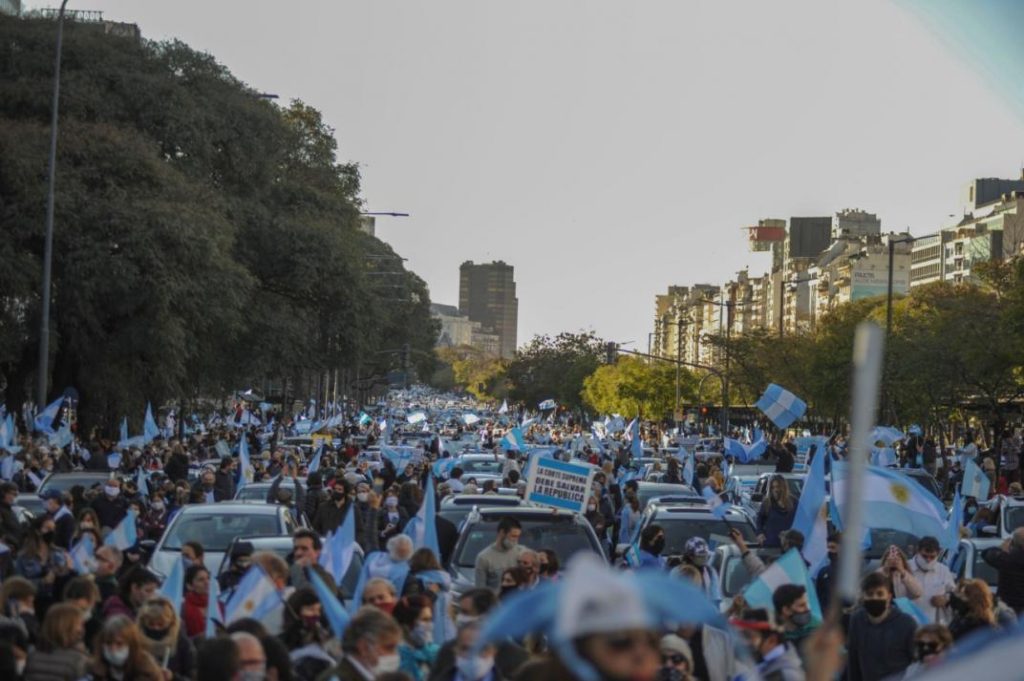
(547, 404)
(504, 407)
(976, 484)
(123, 536)
(896, 502)
(745, 453)
(82, 555)
(173, 588)
(314, 465)
(636, 445)
(422, 528)
(811, 518)
(44, 421)
(336, 615)
(244, 467)
(789, 569)
(718, 507)
(781, 406)
(150, 431)
(339, 548)
(256, 596)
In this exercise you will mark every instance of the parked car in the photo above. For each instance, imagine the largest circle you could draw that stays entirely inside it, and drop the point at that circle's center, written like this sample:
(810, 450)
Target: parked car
(215, 526)
(32, 503)
(63, 482)
(257, 491)
(968, 563)
(680, 521)
(564, 532)
(646, 491)
(455, 507)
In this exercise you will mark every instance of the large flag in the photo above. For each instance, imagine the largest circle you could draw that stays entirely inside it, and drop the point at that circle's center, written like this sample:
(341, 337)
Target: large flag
(781, 406)
(547, 404)
(173, 588)
(379, 564)
(504, 407)
(150, 431)
(513, 440)
(636, 445)
(339, 548)
(422, 528)
(336, 615)
(745, 453)
(976, 484)
(896, 501)
(811, 518)
(43, 422)
(909, 607)
(256, 596)
(124, 535)
(470, 419)
(244, 467)
(615, 424)
(314, 464)
(417, 417)
(788, 569)
(689, 468)
(718, 507)
(886, 435)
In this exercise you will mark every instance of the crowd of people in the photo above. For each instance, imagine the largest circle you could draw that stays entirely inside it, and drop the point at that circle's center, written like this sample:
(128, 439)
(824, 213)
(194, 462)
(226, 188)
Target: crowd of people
(104, 613)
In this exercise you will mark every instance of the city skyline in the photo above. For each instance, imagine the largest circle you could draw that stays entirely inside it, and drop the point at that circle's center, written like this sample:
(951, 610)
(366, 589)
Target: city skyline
(600, 151)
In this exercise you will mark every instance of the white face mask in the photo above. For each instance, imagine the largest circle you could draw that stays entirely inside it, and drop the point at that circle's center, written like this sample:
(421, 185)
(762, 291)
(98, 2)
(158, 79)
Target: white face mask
(474, 667)
(463, 620)
(112, 491)
(19, 667)
(115, 656)
(362, 497)
(425, 632)
(387, 663)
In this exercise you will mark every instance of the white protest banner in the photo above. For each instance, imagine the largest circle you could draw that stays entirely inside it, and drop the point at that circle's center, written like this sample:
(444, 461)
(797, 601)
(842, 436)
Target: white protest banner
(560, 484)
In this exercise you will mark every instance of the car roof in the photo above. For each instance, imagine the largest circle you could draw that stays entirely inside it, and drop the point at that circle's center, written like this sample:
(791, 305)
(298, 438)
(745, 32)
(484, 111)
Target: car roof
(686, 511)
(526, 512)
(481, 500)
(232, 506)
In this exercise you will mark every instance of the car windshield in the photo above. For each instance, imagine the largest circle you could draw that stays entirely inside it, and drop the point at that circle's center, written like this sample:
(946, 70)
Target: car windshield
(736, 576)
(63, 483)
(925, 480)
(251, 493)
(560, 533)
(1013, 517)
(984, 571)
(881, 540)
(678, 530)
(486, 466)
(215, 532)
(647, 492)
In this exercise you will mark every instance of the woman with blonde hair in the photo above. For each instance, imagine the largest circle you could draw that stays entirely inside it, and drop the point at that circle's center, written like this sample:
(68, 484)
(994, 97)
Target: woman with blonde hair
(60, 655)
(121, 654)
(164, 638)
(778, 510)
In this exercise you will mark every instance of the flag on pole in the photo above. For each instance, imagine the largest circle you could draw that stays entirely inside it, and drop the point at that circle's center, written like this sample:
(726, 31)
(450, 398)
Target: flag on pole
(976, 484)
(173, 588)
(504, 407)
(336, 615)
(43, 422)
(718, 507)
(789, 569)
(422, 528)
(213, 617)
(636, 445)
(244, 466)
(150, 431)
(689, 468)
(547, 404)
(811, 517)
(781, 406)
(314, 464)
(140, 481)
(256, 596)
(339, 548)
(745, 453)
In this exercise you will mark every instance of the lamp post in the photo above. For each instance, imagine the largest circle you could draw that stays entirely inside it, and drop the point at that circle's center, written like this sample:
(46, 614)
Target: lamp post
(884, 408)
(51, 172)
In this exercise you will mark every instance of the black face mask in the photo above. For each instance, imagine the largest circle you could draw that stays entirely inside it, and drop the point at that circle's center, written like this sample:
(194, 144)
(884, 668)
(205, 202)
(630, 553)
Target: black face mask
(833, 558)
(959, 605)
(876, 606)
(47, 537)
(507, 591)
(154, 634)
(657, 546)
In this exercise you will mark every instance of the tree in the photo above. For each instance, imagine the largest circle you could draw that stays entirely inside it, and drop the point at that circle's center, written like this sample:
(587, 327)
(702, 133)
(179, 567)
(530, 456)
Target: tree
(554, 368)
(476, 372)
(633, 387)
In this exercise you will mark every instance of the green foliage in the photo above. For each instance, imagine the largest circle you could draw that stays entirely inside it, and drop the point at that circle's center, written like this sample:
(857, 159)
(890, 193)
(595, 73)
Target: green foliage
(205, 239)
(633, 387)
(474, 371)
(555, 368)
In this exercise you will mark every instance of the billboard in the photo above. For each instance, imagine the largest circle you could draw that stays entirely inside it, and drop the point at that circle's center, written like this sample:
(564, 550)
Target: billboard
(867, 283)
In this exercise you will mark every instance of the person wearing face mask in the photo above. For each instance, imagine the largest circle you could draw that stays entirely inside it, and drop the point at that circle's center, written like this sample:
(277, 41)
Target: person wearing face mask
(417, 651)
(503, 554)
(331, 513)
(370, 646)
(197, 599)
(596, 519)
(776, 659)
(548, 564)
(973, 609)
(936, 581)
(365, 508)
(931, 643)
(164, 638)
(305, 635)
(42, 563)
(60, 655)
(467, 665)
(471, 609)
(829, 572)
(880, 637)
(154, 518)
(512, 581)
(652, 544)
(392, 518)
(697, 553)
(18, 606)
(110, 507)
(121, 655)
(793, 612)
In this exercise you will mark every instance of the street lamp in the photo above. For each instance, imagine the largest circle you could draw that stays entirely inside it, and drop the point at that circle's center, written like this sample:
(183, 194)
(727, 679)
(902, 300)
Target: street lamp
(888, 320)
(44, 322)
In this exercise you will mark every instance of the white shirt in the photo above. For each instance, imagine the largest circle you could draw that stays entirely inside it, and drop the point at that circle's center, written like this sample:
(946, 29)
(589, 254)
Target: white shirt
(456, 486)
(936, 581)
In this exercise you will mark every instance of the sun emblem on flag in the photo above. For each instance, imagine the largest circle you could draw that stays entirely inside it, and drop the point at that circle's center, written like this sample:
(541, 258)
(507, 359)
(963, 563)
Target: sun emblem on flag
(899, 492)
(249, 605)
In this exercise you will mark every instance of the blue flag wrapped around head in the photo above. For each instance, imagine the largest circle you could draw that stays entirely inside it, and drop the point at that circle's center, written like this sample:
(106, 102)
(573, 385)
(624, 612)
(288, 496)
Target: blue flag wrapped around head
(781, 406)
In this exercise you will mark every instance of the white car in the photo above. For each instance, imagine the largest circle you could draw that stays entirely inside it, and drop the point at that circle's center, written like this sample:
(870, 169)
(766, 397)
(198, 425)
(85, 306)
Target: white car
(214, 526)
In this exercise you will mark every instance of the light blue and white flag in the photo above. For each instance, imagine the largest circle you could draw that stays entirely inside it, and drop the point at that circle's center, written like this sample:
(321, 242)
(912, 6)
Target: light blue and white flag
(213, 617)
(256, 596)
(124, 536)
(141, 481)
(364, 418)
(504, 407)
(718, 507)
(781, 406)
(811, 518)
(418, 417)
(886, 435)
(908, 606)
(883, 456)
(547, 404)
(83, 555)
(7, 467)
(379, 564)
(788, 569)
(614, 424)
(43, 422)
(336, 615)
(9, 434)
(745, 453)
(150, 431)
(173, 588)
(339, 548)
(636, 445)
(953, 525)
(689, 468)
(399, 457)
(314, 464)
(244, 466)
(897, 502)
(513, 440)
(422, 528)
(976, 484)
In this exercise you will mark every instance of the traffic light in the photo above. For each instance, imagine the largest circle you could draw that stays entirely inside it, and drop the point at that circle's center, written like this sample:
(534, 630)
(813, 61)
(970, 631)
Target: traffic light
(611, 351)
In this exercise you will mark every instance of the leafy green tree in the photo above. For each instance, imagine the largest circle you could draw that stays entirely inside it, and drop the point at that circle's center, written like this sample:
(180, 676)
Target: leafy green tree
(554, 368)
(633, 387)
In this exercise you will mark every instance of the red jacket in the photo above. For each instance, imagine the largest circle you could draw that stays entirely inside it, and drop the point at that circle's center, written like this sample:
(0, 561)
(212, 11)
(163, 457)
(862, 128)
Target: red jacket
(194, 613)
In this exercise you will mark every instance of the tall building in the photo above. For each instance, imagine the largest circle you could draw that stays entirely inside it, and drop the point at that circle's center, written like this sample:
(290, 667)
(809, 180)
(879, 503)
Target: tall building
(12, 7)
(487, 294)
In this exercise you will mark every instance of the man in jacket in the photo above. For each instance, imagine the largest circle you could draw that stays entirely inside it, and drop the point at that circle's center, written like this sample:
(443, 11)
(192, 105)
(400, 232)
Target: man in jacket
(315, 494)
(1008, 560)
(110, 507)
(63, 521)
(224, 481)
(880, 639)
(10, 529)
(331, 512)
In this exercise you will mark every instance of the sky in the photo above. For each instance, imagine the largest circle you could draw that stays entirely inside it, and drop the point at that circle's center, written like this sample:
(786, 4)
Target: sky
(609, 149)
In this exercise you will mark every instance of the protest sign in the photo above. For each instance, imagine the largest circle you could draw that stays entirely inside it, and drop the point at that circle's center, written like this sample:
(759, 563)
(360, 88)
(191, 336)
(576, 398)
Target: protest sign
(560, 484)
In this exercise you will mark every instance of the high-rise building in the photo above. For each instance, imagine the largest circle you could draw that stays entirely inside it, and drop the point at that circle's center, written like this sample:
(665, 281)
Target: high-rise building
(12, 7)
(487, 294)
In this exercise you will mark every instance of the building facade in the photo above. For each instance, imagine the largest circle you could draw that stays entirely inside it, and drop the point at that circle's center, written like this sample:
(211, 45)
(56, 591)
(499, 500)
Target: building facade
(487, 295)
(12, 7)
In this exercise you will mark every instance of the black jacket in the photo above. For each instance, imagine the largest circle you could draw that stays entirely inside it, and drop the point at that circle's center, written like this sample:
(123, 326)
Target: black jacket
(177, 467)
(1010, 566)
(329, 517)
(109, 511)
(315, 495)
(64, 531)
(10, 529)
(224, 486)
(879, 651)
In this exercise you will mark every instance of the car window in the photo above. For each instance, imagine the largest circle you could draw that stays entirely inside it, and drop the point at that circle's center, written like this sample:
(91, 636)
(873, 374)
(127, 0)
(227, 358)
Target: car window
(984, 571)
(881, 540)
(678, 530)
(562, 535)
(1013, 517)
(215, 532)
(252, 494)
(647, 492)
(480, 466)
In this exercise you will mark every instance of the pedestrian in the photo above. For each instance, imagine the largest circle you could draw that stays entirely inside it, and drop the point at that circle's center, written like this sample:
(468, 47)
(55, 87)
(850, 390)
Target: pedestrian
(315, 495)
(466, 663)
(697, 554)
(10, 528)
(197, 600)
(331, 513)
(305, 635)
(880, 638)
(973, 609)
(931, 643)
(503, 554)
(513, 580)
(793, 613)
(110, 507)
(109, 560)
(370, 646)
(1008, 560)
(380, 593)
(61, 655)
(136, 587)
(417, 650)
(935, 579)
(548, 564)
(42, 563)
(218, 660)
(776, 513)
(896, 566)
(165, 639)
(472, 608)
(18, 606)
(224, 480)
(676, 659)
(777, 659)
(652, 545)
(120, 654)
(365, 508)
(629, 517)
(392, 518)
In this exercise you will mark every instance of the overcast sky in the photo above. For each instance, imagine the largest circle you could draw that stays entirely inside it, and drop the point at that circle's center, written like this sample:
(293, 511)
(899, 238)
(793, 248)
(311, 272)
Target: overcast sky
(608, 149)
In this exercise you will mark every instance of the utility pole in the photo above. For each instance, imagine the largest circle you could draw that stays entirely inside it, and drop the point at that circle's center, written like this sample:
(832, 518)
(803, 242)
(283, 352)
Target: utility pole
(679, 358)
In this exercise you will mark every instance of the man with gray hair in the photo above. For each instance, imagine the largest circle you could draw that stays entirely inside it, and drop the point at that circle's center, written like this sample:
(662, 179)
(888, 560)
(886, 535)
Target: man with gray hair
(252, 658)
(370, 644)
(1008, 560)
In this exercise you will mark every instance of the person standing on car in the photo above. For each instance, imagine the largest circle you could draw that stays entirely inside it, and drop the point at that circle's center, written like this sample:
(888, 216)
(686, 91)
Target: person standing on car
(776, 514)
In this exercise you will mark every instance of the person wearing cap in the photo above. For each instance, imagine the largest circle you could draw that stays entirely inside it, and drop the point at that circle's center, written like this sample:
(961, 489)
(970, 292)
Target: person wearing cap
(676, 659)
(697, 553)
(776, 659)
(63, 520)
